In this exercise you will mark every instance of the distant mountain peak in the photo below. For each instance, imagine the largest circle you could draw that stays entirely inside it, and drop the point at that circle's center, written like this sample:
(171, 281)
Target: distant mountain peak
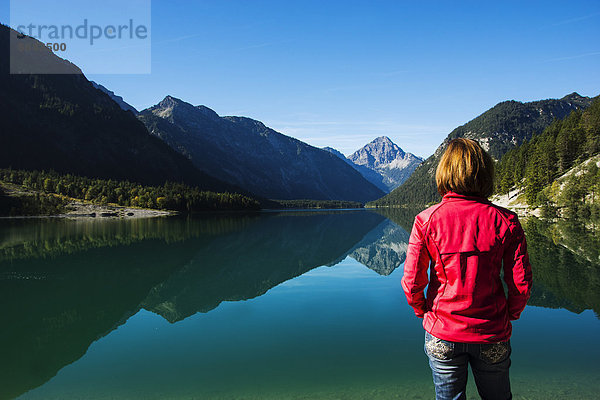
(377, 153)
(169, 101)
(383, 139)
(387, 164)
(169, 105)
(165, 108)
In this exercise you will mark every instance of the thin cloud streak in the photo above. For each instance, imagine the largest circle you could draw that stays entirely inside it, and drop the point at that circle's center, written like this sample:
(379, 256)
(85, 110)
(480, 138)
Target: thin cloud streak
(574, 57)
(394, 73)
(577, 19)
(178, 39)
(258, 46)
(195, 35)
(351, 87)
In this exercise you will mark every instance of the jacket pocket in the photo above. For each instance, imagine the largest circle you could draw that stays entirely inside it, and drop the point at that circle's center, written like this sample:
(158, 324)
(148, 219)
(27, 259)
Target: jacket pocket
(494, 353)
(438, 348)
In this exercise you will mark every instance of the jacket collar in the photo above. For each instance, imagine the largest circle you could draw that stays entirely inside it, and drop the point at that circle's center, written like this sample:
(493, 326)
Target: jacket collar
(454, 195)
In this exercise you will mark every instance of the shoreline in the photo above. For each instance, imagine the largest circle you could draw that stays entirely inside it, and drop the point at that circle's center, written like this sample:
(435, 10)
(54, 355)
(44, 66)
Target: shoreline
(84, 211)
(81, 209)
(96, 211)
(88, 211)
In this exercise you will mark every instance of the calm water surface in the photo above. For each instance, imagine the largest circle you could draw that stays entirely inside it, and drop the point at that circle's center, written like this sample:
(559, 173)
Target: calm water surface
(271, 306)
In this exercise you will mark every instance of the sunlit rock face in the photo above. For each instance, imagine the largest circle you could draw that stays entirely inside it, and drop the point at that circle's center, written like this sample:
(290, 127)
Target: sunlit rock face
(382, 163)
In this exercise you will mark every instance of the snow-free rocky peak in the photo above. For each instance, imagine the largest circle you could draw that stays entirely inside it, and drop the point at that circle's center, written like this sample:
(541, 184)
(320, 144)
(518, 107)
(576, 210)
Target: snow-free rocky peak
(379, 152)
(387, 159)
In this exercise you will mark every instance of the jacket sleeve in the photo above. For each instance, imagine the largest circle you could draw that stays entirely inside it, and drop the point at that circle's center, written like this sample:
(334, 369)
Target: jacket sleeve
(415, 277)
(517, 270)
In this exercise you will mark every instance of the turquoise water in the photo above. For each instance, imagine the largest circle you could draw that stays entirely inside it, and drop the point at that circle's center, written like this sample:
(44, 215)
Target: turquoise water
(270, 306)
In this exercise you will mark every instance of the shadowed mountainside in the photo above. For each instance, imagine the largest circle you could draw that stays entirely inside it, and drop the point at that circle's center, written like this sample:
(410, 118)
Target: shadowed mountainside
(62, 122)
(246, 153)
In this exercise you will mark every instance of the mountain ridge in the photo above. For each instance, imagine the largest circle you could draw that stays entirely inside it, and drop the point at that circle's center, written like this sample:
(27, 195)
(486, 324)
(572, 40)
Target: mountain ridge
(247, 153)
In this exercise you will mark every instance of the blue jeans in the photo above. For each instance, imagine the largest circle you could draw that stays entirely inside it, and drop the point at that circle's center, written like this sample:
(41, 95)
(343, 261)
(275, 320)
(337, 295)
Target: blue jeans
(449, 362)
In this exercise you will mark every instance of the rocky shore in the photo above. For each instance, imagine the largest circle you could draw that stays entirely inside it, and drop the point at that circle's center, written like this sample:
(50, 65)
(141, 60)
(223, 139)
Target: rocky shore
(81, 210)
(515, 201)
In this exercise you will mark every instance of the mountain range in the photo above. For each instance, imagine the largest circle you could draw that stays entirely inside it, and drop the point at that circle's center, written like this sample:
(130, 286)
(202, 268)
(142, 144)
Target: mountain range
(246, 153)
(382, 162)
(504, 126)
(61, 122)
(64, 122)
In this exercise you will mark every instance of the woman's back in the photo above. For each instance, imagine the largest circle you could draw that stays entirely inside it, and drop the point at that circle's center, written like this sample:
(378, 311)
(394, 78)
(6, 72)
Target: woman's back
(466, 239)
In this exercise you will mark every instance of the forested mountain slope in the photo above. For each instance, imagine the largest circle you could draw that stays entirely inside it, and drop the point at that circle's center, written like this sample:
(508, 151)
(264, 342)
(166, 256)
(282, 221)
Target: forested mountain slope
(504, 126)
(559, 168)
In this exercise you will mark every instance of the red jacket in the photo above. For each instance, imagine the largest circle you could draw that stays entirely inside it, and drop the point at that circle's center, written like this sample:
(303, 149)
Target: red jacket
(465, 241)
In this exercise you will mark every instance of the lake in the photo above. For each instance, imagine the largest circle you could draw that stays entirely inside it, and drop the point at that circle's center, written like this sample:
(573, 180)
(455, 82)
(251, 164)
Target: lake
(290, 305)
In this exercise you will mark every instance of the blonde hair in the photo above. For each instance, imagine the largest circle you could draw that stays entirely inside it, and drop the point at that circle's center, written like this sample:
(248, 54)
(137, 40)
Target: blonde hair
(465, 168)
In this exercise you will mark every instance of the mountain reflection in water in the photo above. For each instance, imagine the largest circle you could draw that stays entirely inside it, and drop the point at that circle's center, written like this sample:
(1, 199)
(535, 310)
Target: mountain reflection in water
(65, 284)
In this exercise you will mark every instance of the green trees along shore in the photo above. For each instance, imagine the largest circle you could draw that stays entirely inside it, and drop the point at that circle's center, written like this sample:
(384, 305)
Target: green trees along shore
(169, 196)
(558, 168)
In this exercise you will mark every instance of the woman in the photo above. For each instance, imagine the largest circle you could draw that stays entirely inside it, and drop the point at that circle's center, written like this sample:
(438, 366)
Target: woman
(465, 241)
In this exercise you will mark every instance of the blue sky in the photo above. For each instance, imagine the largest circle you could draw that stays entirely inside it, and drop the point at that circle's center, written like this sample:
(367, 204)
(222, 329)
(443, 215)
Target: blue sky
(340, 73)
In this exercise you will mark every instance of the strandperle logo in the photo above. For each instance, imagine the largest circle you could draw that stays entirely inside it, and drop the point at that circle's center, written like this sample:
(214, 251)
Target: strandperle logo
(108, 37)
(86, 31)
